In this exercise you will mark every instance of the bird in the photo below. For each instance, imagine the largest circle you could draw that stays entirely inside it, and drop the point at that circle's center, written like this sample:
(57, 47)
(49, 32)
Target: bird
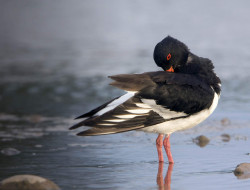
(180, 96)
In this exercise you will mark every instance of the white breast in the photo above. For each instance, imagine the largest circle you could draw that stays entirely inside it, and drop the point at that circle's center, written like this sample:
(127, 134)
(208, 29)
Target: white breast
(171, 126)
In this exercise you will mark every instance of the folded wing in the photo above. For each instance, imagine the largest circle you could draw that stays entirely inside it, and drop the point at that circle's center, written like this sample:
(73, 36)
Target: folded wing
(154, 98)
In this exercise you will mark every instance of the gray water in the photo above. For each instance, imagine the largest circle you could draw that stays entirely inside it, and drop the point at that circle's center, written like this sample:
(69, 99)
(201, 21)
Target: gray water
(55, 57)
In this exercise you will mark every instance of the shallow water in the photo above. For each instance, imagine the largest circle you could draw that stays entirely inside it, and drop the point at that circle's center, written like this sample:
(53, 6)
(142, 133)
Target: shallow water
(54, 62)
(129, 160)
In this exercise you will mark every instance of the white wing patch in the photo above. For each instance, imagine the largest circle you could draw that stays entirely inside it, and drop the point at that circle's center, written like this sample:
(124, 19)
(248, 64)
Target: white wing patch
(115, 103)
(128, 116)
(116, 120)
(138, 111)
(142, 105)
(164, 112)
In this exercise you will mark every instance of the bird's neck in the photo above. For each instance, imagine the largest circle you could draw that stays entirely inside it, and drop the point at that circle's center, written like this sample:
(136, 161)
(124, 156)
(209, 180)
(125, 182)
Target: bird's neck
(204, 69)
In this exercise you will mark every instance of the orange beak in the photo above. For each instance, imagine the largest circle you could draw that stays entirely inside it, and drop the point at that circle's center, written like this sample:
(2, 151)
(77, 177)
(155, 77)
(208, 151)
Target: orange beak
(171, 70)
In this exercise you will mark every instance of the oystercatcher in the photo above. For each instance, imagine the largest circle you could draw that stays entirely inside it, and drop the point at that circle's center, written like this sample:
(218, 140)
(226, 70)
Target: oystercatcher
(181, 96)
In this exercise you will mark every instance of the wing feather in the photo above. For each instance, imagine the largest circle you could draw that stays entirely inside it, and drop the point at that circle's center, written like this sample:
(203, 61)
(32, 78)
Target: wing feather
(157, 97)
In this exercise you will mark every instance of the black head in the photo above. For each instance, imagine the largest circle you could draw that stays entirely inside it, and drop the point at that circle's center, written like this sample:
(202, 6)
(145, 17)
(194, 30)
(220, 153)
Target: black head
(170, 53)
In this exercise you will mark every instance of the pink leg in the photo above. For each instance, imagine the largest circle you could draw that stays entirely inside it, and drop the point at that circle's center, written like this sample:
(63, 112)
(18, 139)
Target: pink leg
(159, 144)
(166, 144)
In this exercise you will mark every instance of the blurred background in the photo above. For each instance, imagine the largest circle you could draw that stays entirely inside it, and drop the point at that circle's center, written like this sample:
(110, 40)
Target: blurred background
(55, 57)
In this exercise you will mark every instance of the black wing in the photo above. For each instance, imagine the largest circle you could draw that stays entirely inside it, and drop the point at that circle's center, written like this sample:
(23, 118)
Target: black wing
(130, 115)
(156, 95)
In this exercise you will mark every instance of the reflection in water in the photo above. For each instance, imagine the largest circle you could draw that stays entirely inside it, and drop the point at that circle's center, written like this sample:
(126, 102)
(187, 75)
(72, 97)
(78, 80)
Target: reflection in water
(164, 185)
(242, 176)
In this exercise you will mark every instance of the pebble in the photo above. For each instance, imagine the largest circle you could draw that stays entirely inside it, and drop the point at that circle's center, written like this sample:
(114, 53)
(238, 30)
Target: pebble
(225, 137)
(10, 151)
(201, 140)
(242, 171)
(225, 122)
(27, 182)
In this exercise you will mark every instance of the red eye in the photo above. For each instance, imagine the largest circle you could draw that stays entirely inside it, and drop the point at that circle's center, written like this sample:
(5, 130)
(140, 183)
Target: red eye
(169, 56)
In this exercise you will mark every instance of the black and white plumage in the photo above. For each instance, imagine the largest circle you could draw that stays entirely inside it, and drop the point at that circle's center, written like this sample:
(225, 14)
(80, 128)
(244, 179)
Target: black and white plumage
(160, 102)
